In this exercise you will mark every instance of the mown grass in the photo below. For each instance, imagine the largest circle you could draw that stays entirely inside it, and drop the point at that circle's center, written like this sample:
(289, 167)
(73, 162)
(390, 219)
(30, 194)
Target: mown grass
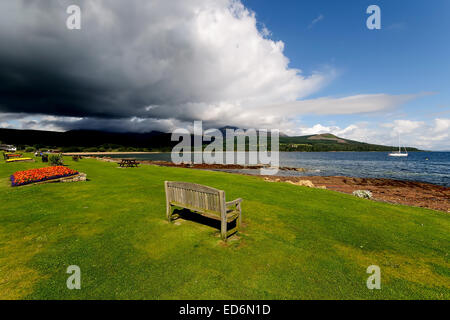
(297, 243)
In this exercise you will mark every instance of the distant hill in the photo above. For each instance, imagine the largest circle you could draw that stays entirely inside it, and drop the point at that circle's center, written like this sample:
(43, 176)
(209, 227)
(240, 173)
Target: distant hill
(330, 142)
(91, 141)
(87, 140)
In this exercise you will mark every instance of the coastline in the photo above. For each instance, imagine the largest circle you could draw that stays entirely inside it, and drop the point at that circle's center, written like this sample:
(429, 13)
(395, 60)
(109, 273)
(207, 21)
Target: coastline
(411, 193)
(111, 153)
(93, 154)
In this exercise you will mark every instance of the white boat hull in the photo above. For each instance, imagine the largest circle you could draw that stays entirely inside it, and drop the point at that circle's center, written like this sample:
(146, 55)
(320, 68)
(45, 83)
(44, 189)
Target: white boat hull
(398, 154)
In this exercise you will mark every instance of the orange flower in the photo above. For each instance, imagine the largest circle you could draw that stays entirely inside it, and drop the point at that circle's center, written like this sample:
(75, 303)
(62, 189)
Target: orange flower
(36, 175)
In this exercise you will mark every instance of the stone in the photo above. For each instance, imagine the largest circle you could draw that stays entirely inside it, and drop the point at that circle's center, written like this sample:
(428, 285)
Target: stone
(303, 183)
(79, 177)
(365, 194)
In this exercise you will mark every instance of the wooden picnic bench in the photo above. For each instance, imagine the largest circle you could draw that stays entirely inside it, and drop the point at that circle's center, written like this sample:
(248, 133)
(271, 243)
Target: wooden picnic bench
(207, 201)
(128, 163)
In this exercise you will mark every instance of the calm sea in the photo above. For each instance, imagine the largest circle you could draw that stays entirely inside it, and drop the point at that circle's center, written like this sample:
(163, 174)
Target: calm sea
(432, 167)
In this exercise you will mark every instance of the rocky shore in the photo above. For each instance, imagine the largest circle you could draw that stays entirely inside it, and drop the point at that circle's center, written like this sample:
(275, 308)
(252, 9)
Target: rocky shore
(410, 193)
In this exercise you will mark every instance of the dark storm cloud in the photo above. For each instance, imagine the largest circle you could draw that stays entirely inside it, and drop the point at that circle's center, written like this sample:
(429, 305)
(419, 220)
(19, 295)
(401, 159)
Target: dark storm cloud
(47, 69)
(149, 59)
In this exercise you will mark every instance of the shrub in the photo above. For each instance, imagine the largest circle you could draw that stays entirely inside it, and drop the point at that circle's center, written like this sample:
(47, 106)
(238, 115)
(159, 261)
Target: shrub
(56, 159)
(29, 149)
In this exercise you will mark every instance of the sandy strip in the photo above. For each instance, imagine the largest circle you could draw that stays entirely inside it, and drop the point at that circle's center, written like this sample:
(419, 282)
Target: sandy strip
(93, 154)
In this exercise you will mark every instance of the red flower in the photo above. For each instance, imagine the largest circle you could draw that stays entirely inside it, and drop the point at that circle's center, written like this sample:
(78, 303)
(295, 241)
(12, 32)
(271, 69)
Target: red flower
(36, 175)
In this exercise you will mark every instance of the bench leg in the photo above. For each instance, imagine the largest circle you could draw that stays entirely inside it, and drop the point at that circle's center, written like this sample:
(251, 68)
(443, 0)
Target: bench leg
(239, 219)
(223, 230)
(169, 212)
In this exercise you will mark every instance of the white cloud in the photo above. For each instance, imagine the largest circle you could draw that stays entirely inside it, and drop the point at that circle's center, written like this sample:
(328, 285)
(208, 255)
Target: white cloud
(320, 17)
(347, 105)
(405, 126)
(282, 115)
(442, 125)
(189, 59)
(358, 131)
(316, 129)
(431, 135)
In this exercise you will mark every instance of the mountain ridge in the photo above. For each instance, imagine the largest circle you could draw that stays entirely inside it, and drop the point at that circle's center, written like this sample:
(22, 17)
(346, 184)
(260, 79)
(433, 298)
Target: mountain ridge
(80, 140)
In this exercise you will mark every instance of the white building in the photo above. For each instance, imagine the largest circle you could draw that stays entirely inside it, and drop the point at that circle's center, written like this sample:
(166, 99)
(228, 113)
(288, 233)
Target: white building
(8, 148)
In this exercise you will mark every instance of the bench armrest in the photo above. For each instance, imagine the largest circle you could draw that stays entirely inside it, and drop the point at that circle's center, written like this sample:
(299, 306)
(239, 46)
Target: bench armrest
(233, 203)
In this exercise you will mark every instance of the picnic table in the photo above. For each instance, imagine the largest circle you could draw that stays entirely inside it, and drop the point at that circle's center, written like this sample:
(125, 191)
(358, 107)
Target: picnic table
(127, 163)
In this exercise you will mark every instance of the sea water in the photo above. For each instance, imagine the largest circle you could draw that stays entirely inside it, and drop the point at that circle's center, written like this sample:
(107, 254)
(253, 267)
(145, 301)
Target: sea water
(432, 167)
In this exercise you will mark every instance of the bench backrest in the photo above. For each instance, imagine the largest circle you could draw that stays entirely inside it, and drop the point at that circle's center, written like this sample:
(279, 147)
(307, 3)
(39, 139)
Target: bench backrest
(196, 197)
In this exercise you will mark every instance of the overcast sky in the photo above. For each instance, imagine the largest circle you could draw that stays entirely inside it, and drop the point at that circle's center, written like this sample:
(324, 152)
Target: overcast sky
(142, 65)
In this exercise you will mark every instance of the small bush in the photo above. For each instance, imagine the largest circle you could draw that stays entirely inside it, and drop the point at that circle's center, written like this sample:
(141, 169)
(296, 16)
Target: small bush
(29, 149)
(56, 159)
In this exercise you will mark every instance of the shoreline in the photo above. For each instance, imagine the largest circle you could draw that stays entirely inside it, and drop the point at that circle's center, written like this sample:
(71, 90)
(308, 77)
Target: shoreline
(87, 154)
(404, 192)
(111, 153)
(411, 193)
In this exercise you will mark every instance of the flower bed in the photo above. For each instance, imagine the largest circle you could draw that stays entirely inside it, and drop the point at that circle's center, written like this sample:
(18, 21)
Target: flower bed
(21, 178)
(19, 160)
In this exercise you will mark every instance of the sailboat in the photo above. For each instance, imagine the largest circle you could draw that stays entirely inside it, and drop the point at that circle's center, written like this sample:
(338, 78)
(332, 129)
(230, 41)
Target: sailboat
(399, 153)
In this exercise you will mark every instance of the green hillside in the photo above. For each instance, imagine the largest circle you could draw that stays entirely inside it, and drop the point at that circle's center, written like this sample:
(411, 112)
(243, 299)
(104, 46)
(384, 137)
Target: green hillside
(329, 142)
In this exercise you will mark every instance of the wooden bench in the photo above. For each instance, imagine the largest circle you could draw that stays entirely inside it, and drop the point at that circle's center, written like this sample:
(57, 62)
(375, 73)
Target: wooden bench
(207, 201)
(128, 163)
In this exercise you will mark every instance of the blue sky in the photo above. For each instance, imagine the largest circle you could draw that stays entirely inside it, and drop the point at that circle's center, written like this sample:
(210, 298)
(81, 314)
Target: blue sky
(409, 55)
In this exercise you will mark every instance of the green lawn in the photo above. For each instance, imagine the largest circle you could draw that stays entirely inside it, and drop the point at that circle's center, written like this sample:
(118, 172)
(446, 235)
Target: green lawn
(297, 243)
